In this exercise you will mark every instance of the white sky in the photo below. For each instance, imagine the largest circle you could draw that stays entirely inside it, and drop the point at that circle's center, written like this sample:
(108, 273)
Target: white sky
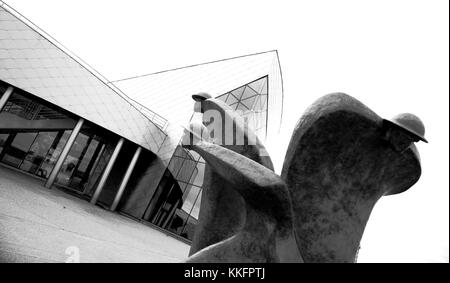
(391, 55)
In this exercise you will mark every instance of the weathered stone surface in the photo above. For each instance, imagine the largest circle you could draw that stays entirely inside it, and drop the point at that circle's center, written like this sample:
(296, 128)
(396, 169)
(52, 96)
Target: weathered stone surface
(337, 166)
(341, 160)
(267, 234)
(222, 211)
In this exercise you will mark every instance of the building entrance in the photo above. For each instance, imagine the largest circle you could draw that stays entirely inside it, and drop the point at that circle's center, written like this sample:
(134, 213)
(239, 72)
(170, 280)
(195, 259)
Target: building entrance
(37, 152)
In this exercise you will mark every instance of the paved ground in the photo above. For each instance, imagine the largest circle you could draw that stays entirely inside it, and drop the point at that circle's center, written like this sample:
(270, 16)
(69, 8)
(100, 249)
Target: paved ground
(41, 225)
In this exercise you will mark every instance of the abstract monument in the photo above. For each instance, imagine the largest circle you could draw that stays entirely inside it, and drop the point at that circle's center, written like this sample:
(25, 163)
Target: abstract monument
(342, 158)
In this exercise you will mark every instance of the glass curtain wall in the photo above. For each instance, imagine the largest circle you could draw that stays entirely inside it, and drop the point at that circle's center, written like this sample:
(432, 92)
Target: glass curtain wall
(33, 135)
(174, 205)
(86, 160)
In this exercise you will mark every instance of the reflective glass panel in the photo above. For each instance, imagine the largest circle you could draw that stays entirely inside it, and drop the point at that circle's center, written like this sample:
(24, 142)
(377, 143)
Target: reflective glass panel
(191, 203)
(257, 85)
(37, 152)
(248, 92)
(72, 160)
(186, 170)
(18, 149)
(99, 165)
(81, 172)
(53, 154)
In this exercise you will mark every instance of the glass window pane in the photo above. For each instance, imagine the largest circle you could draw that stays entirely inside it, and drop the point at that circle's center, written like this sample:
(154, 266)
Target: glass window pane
(18, 149)
(248, 92)
(53, 154)
(72, 160)
(231, 99)
(179, 151)
(249, 102)
(242, 107)
(29, 109)
(87, 156)
(175, 164)
(189, 198)
(186, 171)
(81, 173)
(264, 88)
(258, 85)
(167, 203)
(196, 209)
(98, 167)
(238, 92)
(37, 152)
(188, 208)
(194, 155)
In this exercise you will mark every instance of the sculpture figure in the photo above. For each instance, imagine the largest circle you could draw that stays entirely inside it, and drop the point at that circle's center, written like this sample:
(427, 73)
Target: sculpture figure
(342, 158)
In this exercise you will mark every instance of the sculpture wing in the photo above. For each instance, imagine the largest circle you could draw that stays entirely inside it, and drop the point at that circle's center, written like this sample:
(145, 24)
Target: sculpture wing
(337, 166)
(267, 235)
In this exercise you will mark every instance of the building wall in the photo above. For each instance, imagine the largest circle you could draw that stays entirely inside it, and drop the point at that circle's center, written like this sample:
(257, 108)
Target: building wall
(32, 62)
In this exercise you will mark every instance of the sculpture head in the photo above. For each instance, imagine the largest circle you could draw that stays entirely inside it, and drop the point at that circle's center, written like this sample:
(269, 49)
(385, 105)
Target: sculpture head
(199, 98)
(403, 130)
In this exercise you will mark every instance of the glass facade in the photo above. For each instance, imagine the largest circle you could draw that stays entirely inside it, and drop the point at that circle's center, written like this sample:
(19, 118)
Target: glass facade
(251, 101)
(54, 152)
(33, 135)
(175, 206)
(178, 194)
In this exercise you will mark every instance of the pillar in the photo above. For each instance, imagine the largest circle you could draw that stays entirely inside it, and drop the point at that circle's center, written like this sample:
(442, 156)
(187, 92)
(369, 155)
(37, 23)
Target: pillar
(108, 169)
(51, 179)
(5, 97)
(126, 178)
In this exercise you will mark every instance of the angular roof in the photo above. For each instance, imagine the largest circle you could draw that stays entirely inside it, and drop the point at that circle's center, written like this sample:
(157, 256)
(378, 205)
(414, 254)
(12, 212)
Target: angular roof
(169, 92)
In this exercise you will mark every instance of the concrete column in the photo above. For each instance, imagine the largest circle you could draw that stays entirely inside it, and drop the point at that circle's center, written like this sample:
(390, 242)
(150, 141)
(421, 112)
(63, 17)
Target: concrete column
(5, 97)
(108, 169)
(51, 179)
(126, 178)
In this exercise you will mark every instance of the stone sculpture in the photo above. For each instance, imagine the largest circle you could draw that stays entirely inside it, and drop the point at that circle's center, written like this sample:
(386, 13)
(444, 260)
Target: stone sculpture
(342, 158)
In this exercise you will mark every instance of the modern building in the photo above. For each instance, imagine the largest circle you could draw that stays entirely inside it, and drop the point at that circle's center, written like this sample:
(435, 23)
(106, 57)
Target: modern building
(65, 124)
